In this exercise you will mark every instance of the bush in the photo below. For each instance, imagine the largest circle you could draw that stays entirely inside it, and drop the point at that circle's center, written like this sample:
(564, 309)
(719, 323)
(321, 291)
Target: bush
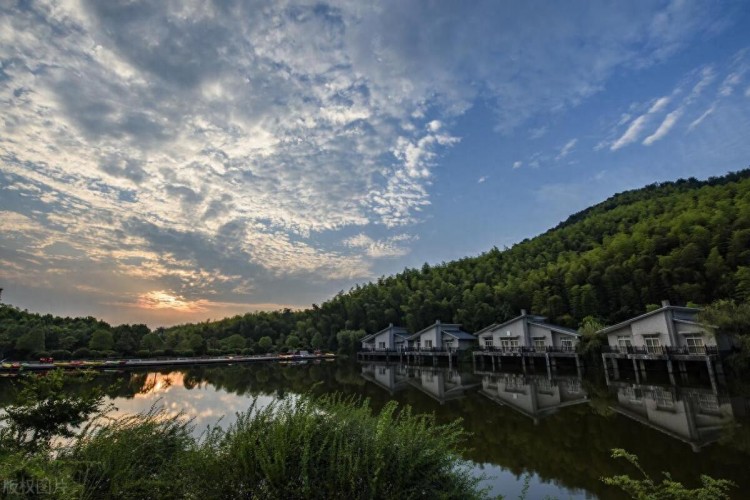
(187, 353)
(143, 353)
(157, 353)
(82, 352)
(61, 354)
(248, 351)
(40, 354)
(214, 352)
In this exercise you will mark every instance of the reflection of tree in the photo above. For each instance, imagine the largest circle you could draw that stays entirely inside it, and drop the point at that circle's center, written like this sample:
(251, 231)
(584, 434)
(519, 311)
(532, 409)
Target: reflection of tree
(570, 447)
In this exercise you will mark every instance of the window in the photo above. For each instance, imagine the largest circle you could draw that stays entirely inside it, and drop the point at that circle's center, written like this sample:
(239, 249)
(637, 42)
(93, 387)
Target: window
(567, 344)
(488, 342)
(624, 342)
(653, 345)
(695, 345)
(428, 344)
(539, 344)
(509, 344)
(381, 345)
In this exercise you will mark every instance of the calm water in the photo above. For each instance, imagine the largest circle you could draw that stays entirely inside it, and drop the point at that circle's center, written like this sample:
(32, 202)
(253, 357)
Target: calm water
(558, 432)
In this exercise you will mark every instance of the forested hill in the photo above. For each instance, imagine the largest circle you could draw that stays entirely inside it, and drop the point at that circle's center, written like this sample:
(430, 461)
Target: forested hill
(686, 241)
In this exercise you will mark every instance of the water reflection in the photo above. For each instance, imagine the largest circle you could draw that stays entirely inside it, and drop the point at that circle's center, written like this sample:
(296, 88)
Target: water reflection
(559, 430)
(696, 416)
(534, 396)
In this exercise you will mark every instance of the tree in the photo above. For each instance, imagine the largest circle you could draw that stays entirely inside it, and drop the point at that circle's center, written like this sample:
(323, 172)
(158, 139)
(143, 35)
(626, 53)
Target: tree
(317, 341)
(31, 341)
(265, 344)
(234, 342)
(292, 342)
(152, 342)
(44, 410)
(101, 340)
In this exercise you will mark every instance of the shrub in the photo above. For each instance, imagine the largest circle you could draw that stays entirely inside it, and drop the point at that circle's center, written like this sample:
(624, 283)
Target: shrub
(143, 353)
(61, 354)
(647, 488)
(82, 352)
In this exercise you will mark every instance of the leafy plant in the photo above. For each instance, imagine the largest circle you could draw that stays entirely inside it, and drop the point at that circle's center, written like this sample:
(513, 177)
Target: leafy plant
(646, 488)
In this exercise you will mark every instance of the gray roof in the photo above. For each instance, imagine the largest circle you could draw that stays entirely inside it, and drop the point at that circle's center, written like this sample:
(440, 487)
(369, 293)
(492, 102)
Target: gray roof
(558, 329)
(397, 330)
(648, 314)
(460, 335)
(532, 319)
(445, 326)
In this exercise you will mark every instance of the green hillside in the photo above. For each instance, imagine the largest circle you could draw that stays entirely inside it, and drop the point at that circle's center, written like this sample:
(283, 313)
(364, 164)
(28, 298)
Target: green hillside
(686, 241)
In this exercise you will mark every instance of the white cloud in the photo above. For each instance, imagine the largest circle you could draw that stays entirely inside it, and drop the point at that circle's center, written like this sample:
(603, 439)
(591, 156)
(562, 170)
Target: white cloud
(482, 179)
(729, 83)
(664, 128)
(636, 126)
(389, 247)
(565, 151)
(702, 117)
(517, 164)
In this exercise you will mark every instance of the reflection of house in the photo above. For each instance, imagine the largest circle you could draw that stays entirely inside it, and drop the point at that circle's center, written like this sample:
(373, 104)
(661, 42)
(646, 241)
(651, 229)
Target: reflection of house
(442, 336)
(695, 416)
(392, 338)
(667, 334)
(392, 378)
(442, 384)
(527, 337)
(534, 396)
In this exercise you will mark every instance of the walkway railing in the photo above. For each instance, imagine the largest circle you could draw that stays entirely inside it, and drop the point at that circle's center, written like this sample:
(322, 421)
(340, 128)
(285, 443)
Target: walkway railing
(661, 350)
(527, 349)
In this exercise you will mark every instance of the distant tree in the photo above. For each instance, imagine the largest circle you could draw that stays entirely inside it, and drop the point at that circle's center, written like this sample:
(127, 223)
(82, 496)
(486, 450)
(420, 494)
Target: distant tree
(101, 340)
(292, 342)
(31, 341)
(152, 342)
(265, 344)
(317, 341)
(234, 342)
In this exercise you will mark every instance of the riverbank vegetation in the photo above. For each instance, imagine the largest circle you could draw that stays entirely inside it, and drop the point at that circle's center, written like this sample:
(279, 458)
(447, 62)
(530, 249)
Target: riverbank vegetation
(687, 241)
(306, 447)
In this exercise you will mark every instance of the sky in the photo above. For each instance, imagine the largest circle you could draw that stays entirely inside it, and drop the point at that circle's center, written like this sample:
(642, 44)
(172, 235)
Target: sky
(175, 161)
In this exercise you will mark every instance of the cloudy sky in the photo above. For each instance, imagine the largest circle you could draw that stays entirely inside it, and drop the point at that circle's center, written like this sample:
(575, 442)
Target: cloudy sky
(173, 161)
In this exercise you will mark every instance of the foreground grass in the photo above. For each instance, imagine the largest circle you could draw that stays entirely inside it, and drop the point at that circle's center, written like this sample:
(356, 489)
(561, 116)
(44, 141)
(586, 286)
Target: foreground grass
(326, 447)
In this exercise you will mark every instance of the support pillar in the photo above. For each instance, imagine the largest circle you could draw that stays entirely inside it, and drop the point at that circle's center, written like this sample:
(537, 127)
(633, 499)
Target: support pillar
(615, 368)
(579, 368)
(637, 371)
(711, 374)
(523, 364)
(493, 363)
(549, 366)
(670, 369)
(643, 368)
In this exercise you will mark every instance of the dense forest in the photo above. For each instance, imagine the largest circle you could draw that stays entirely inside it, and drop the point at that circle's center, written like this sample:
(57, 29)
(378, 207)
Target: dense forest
(687, 241)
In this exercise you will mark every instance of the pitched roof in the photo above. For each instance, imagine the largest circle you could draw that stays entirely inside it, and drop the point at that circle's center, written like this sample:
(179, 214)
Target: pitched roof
(649, 314)
(445, 326)
(555, 328)
(532, 319)
(397, 330)
(460, 335)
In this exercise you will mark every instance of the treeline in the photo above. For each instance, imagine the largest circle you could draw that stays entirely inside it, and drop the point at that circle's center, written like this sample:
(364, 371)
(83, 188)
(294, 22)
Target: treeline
(687, 241)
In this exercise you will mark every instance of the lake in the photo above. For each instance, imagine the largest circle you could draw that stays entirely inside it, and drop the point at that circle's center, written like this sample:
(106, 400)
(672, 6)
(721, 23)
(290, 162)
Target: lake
(554, 433)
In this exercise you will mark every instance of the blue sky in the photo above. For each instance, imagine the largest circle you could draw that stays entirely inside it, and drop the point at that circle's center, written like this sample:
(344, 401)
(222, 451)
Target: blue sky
(173, 161)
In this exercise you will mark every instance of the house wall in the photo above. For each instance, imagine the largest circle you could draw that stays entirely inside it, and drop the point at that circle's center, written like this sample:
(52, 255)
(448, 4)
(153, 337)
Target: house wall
(557, 339)
(431, 334)
(386, 337)
(653, 325)
(684, 331)
(538, 331)
(516, 331)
